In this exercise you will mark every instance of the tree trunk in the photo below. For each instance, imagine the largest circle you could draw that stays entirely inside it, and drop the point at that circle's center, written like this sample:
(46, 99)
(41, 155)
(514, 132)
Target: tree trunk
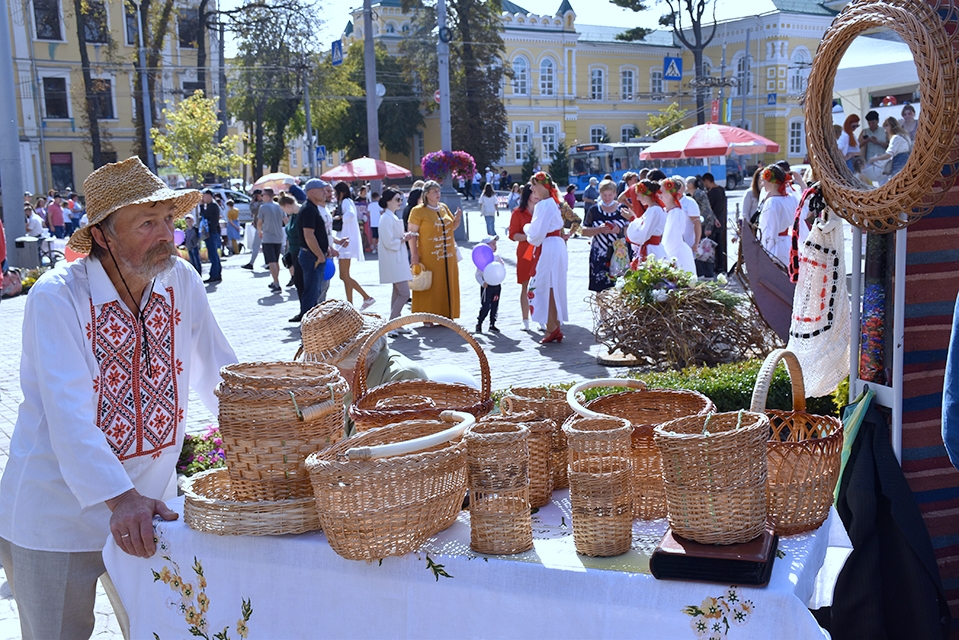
(700, 91)
(154, 46)
(259, 136)
(88, 87)
(471, 77)
(202, 16)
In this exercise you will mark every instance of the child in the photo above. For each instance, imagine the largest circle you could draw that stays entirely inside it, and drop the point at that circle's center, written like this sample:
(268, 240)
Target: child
(374, 210)
(191, 240)
(489, 294)
(233, 231)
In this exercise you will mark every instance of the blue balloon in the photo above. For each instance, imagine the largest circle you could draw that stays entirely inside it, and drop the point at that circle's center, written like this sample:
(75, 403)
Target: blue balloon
(482, 255)
(329, 269)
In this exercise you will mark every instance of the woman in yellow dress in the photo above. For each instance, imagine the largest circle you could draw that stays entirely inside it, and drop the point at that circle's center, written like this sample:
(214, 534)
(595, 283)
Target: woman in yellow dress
(435, 248)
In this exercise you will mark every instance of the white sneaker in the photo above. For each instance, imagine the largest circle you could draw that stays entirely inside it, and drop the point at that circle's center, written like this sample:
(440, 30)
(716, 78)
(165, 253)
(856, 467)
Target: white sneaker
(369, 302)
(526, 324)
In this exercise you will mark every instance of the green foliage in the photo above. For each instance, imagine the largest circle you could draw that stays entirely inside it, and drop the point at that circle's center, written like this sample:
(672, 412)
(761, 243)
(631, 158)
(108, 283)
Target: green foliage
(529, 164)
(669, 120)
(559, 164)
(634, 34)
(652, 280)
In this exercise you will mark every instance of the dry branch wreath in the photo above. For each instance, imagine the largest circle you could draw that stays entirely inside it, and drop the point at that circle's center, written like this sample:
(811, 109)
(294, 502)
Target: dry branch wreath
(934, 162)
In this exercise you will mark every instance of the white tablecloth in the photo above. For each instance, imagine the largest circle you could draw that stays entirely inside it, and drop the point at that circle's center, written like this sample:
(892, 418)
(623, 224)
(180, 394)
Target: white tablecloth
(297, 587)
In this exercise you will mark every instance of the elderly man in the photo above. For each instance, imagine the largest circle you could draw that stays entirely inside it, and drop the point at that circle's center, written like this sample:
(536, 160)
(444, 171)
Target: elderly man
(315, 245)
(111, 344)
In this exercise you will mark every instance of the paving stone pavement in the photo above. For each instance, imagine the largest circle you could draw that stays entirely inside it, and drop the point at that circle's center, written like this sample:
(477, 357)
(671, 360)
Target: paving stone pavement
(255, 322)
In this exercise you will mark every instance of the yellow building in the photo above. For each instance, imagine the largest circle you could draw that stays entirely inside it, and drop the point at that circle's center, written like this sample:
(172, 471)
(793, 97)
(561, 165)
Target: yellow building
(54, 144)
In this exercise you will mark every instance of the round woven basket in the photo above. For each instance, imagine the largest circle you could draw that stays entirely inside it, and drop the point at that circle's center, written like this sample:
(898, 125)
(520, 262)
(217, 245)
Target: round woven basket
(922, 183)
(497, 467)
(599, 486)
(548, 403)
(803, 453)
(389, 506)
(210, 505)
(365, 410)
(272, 416)
(714, 473)
(645, 410)
(540, 452)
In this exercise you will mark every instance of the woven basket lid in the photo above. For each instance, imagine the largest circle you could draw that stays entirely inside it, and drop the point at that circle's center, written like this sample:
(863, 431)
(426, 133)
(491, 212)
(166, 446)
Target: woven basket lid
(332, 328)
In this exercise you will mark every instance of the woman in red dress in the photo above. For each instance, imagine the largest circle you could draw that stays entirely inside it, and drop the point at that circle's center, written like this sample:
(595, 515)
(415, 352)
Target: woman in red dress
(523, 215)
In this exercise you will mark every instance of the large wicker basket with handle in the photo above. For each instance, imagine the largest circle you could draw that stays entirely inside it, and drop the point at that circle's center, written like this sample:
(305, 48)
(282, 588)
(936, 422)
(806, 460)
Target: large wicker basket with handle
(803, 453)
(369, 409)
(644, 409)
(272, 416)
(385, 491)
(549, 403)
(714, 473)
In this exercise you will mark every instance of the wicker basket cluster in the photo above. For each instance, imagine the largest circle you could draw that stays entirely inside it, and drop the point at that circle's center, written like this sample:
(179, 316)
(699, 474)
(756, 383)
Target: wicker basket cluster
(540, 445)
(599, 486)
(497, 463)
(714, 473)
(544, 403)
(803, 453)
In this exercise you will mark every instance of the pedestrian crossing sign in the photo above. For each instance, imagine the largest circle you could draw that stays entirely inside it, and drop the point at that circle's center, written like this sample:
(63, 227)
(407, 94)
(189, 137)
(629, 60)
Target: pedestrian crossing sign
(672, 68)
(337, 53)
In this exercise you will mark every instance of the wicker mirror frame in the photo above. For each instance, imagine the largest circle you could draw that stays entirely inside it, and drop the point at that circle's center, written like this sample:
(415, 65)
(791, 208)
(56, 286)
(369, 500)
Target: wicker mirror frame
(934, 160)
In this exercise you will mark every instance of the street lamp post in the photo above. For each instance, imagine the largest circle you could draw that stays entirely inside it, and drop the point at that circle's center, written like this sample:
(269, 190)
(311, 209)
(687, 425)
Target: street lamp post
(145, 90)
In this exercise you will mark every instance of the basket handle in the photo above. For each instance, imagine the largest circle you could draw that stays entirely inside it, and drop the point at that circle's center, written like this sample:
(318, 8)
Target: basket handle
(579, 409)
(416, 444)
(313, 411)
(765, 377)
(359, 373)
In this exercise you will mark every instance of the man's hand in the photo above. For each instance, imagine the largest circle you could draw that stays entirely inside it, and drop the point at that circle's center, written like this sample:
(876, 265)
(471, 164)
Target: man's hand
(132, 522)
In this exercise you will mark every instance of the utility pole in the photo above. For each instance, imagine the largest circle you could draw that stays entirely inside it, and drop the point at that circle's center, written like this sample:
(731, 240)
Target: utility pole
(369, 61)
(722, 87)
(222, 101)
(145, 92)
(10, 173)
(450, 195)
(310, 148)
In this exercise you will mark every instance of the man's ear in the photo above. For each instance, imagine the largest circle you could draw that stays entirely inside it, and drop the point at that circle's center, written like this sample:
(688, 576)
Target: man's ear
(96, 233)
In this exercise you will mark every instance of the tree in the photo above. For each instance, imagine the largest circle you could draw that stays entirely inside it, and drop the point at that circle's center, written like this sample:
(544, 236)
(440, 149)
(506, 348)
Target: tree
(478, 116)
(697, 42)
(188, 142)
(667, 121)
(156, 26)
(91, 19)
(341, 121)
(529, 164)
(559, 166)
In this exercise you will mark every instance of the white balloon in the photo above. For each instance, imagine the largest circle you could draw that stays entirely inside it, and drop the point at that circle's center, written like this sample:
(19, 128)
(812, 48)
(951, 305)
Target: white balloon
(494, 273)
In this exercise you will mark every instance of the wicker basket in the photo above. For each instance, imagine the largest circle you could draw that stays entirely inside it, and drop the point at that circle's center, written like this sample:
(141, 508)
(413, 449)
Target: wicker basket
(644, 409)
(210, 505)
(540, 452)
(599, 487)
(388, 506)
(366, 410)
(803, 454)
(548, 403)
(714, 472)
(497, 465)
(272, 416)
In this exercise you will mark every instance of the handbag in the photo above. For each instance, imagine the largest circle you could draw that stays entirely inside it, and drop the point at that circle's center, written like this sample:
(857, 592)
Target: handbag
(338, 217)
(421, 281)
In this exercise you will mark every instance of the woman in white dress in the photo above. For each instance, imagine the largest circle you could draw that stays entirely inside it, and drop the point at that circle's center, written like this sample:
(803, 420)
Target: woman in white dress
(547, 288)
(647, 231)
(394, 261)
(880, 168)
(674, 232)
(353, 247)
(776, 214)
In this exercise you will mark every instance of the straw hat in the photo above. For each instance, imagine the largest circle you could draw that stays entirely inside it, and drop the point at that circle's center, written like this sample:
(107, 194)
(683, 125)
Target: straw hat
(117, 185)
(332, 329)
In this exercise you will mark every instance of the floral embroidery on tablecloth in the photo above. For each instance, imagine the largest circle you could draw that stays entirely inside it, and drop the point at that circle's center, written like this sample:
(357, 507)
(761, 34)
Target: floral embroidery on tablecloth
(714, 617)
(190, 599)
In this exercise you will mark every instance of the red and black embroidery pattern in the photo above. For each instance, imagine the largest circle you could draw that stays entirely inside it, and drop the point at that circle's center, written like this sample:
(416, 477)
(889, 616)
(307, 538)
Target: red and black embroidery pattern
(138, 414)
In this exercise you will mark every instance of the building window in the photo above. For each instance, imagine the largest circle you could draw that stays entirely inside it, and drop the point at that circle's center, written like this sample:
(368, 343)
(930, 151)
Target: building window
(188, 27)
(744, 76)
(628, 132)
(46, 14)
(707, 68)
(294, 156)
(520, 77)
(189, 88)
(520, 142)
(546, 76)
(130, 23)
(596, 84)
(329, 158)
(61, 170)
(101, 98)
(95, 29)
(597, 134)
(548, 134)
(656, 85)
(55, 98)
(797, 137)
(628, 84)
(799, 65)
(390, 27)
(108, 156)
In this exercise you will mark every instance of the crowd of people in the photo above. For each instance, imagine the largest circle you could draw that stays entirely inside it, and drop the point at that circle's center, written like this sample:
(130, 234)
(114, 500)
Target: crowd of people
(879, 151)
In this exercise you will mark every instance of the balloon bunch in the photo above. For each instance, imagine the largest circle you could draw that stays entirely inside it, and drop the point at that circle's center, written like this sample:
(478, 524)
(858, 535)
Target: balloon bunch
(490, 271)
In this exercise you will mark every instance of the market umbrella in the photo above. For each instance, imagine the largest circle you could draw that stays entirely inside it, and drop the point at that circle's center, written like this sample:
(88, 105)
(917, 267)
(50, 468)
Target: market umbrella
(366, 169)
(276, 181)
(706, 141)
